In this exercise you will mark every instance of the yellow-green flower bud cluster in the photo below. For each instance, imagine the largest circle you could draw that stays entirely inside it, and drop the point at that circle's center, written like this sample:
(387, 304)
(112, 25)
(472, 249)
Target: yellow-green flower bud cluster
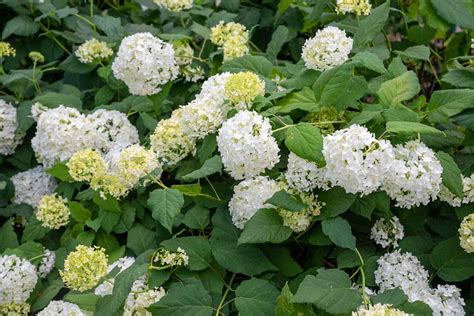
(6, 50)
(324, 119)
(53, 211)
(84, 164)
(175, 5)
(14, 309)
(242, 88)
(184, 58)
(358, 7)
(36, 57)
(172, 259)
(93, 50)
(232, 38)
(84, 267)
(466, 233)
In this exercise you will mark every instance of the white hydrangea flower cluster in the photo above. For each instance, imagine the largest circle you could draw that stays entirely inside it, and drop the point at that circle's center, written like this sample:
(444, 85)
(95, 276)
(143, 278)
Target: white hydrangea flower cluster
(359, 7)
(387, 232)
(107, 286)
(184, 57)
(93, 50)
(402, 270)
(468, 189)
(356, 160)
(101, 130)
(330, 47)
(141, 297)
(61, 308)
(145, 63)
(379, 310)
(246, 145)
(175, 138)
(406, 272)
(415, 175)
(47, 263)
(175, 5)
(232, 38)
(249, 196)
(466, 233)
(32, 185)
(446, 196)
(18, 279)
(171, 258)
(10, 138)
(305, 175)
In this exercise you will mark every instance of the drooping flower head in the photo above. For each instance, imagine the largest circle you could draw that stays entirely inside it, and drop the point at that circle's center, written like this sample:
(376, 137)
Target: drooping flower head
(93, 50)
(145, 63)
(330, 47)
(242, 88)
(84, 267)
(246, 145)
(250, 196)
(53, 211)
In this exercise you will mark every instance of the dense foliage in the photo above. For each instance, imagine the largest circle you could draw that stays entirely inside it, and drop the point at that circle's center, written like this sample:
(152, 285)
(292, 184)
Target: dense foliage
(252, 157)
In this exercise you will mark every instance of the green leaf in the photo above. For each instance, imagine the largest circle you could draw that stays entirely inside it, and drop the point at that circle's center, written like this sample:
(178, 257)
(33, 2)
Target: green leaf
(244, 258)
(141, 239)
(400, 113)
(185, 300)
(452, 263)
(109, 203)
(60, 171)
(109, 25)
(257, 64)
(447, 103)
(279, 38)
(411, 128)
(306, 142)
(331, 290)
(197, 218)
(463, 78)
(54, 99)
(395, 297)
(399, 89)
(336, 200)
(456, 12)
(46, 295)
(265, 226)
(451, 175)
(339, 231)
(210, 166)
(79, 212)
(302, 100)
(21, 25)
(201, 30)
(166, 205)
(372, 25)
(416, 52)
(285, 305)
(8, 236)
(285, 200)
(370, 61)
(256, 297)
(34, 230)
(197, 248)
(123, 284)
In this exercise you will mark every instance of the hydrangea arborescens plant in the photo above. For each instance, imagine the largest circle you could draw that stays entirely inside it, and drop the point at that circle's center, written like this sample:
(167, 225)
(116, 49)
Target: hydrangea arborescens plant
(181, 157)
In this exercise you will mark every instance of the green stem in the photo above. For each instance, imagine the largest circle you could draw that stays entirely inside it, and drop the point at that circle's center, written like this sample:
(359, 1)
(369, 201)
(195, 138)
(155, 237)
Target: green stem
(91, 8)
(218, 311)
(362, 273)
(36, 257)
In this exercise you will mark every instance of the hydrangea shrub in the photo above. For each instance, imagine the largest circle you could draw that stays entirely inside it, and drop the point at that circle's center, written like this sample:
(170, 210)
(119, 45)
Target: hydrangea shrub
(201, 157)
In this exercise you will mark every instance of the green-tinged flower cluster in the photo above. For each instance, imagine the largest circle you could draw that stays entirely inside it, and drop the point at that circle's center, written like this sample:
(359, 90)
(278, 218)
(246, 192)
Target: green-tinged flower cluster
(108, 183)
(379, 310)
(175, 5)
(85, 164)
(242, 88)
(358, 7)
(53, 211)
(466, 233)
(14, 309)
(134, 163)
(232, 38)
(301, 220)
(171, 259)
(36, 57)
(93, 50)
(6, 50)
(325, 119)
(84, 267)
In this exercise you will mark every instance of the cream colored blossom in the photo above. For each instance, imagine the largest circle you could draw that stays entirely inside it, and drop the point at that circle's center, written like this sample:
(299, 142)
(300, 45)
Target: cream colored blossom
(232, 38)
(93, 50)
(242, 88)
(175, 5)
(84, 267)
(379, 310)
(53, 211)
(466, 233)
(170, 258)
(109, 183)
(358, 7)
(36, 57)
(6, 50)
(85, 164)
(134, 163)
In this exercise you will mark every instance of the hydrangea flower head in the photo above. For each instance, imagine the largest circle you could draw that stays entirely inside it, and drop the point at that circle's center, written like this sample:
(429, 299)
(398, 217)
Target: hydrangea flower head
(106, 287)
(175, 5)
(171, 258)
(36, 57)
(242, 88)
(358, 7)
(305, 175)
(32, 185)
(53, 211)
(379, 310)
(10, 138)
(387, 232)
(47, 263)
(134, 163)
(246, 145)
(145, 63)
(18, 279)
(61, 308)
(6, 50)
(141, 296)
(330, 47)
(93, 50)
(85, 164)
(466, 233)
(232, 38)
(84, 267)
